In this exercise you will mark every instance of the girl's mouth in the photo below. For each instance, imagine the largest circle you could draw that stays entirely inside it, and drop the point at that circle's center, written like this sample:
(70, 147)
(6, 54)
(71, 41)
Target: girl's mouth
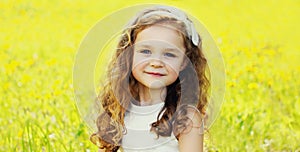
(155, 74)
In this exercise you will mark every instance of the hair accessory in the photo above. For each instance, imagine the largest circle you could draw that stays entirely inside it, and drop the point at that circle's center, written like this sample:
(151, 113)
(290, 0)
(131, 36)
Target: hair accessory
(179, 15)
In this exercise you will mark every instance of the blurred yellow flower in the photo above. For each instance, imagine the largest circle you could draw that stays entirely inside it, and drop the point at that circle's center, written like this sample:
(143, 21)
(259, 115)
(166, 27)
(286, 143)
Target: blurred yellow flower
(57, 92)
(6, 85)
(26, 78)
(11, 67)
(20, 133)
(6, 46)
(252, 85)
(251, 68)
(231, 84)
(51, 62)
(29, 62)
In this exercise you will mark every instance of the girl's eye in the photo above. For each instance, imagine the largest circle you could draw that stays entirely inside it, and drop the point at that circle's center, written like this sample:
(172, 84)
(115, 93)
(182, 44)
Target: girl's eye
(145, 51)
(170, 55)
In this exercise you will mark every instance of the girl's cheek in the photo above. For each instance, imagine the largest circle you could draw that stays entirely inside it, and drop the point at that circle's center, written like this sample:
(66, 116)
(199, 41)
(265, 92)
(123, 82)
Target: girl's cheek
(173, 64)
(138, 57)
(142, 56)
(139, 61)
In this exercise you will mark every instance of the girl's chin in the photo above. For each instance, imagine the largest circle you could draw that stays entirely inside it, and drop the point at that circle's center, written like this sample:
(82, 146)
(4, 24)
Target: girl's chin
(155, 85)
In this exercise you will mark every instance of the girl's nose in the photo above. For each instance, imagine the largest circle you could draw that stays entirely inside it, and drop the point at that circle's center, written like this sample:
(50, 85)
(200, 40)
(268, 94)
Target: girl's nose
(155, 63)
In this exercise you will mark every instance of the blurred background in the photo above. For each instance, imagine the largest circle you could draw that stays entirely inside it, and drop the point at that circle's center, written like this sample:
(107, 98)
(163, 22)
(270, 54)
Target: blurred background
(259, 41)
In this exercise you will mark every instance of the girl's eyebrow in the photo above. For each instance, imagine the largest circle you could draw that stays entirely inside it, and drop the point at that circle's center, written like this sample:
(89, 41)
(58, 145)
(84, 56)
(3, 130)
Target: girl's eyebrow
(172, 50)
(143, 45)
(148, 46)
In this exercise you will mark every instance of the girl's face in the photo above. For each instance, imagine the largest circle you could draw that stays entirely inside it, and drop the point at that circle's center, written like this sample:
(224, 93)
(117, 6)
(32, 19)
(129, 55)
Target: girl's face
(158, 56)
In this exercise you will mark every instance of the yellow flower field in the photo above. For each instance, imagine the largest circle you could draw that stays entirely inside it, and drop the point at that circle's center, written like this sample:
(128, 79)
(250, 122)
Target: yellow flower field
(259, 41)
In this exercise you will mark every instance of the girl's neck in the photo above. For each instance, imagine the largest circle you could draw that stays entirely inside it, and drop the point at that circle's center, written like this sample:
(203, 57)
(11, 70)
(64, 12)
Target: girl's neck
(150, 96)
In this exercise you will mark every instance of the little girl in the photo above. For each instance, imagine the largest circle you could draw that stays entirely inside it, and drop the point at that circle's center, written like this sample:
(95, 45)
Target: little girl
(157, 88)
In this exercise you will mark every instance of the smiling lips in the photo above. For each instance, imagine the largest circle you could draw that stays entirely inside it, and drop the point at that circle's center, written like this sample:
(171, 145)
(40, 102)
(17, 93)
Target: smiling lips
(157, 74)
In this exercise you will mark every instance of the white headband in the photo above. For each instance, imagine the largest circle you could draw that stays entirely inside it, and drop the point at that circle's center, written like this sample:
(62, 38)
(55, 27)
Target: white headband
(177, 14)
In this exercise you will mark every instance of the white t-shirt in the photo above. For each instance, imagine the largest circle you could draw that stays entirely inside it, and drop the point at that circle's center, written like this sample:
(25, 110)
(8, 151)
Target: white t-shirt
(138, 138)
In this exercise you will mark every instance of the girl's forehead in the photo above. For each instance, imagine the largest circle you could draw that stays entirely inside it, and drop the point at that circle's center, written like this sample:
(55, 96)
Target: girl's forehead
(160, 35)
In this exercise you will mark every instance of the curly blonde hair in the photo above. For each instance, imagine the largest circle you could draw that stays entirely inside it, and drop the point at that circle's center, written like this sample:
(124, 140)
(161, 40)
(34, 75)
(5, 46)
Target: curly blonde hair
(121, 87)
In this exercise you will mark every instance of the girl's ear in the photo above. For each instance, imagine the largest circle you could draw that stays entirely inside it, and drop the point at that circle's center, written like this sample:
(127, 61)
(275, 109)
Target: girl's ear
(184, 64)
